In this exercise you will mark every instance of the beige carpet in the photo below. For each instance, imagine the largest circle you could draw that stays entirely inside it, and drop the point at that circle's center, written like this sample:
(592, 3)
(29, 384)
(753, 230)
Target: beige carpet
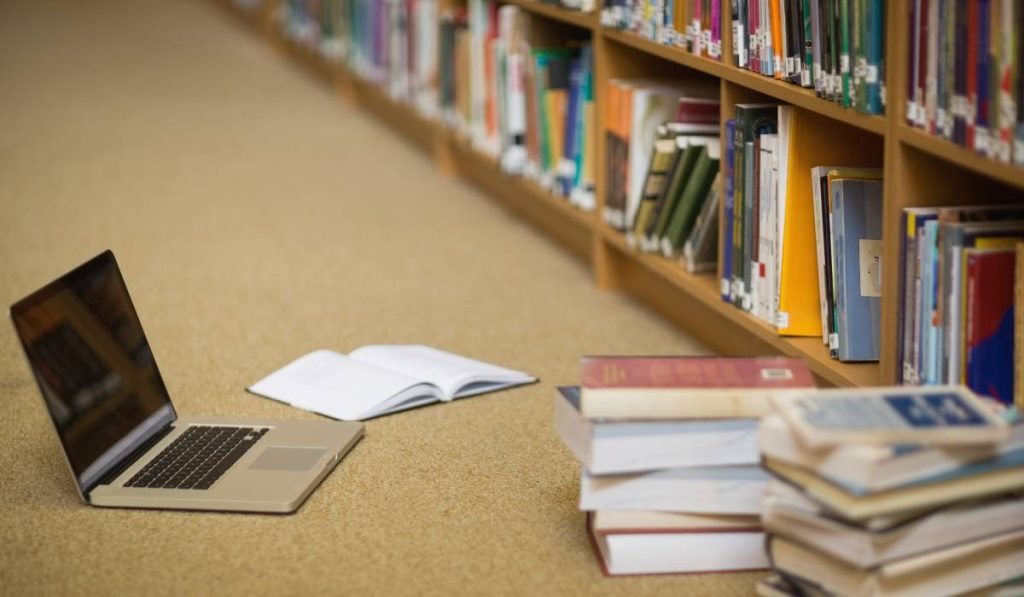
(257, 218)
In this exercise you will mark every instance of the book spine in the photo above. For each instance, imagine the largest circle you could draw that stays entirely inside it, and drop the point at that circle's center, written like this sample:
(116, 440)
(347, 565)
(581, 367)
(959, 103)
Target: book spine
(727, 211)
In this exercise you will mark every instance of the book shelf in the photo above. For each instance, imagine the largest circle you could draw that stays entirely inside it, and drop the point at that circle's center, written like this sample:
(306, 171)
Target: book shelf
(919, 170)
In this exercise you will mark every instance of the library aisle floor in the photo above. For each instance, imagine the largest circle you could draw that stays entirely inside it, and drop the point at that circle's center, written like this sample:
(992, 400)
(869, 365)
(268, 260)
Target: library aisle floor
(256, 218)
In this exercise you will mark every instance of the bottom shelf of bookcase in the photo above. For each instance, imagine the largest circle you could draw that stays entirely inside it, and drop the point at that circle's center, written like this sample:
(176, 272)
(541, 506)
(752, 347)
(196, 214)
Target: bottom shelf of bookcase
(690, 301)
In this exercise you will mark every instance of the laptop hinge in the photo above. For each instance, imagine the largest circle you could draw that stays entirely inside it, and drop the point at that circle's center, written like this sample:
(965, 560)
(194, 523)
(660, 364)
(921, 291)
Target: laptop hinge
(131, 457)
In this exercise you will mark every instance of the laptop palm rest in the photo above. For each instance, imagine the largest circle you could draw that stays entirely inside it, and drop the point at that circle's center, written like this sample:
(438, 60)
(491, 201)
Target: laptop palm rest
(287, 459)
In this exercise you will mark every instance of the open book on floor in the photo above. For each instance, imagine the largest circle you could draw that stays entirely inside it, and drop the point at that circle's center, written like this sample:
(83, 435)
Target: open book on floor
(382, 379)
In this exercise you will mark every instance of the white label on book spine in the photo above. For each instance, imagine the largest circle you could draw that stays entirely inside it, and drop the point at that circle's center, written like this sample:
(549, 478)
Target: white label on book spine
(782, 320)
(737, 34)
(790, 65)
(870, 267)
(805, 78)
(844, 64)
(871, 74)
(724, 287)
(1018, 152)
(833, 341)
(981, 140)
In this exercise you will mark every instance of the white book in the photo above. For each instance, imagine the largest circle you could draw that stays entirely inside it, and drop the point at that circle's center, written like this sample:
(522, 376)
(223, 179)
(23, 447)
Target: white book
(382, 379)
(710, 490)
(608, 446)
(664, 543)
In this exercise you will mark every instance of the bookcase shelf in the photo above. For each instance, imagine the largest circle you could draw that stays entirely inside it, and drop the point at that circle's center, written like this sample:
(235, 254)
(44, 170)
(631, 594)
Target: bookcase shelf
(1008, 174)
(919, 170)
(779, 90)
(583, 20)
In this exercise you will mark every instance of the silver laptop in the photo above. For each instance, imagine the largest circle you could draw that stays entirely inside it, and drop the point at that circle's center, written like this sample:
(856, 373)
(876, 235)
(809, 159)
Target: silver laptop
(125, 443)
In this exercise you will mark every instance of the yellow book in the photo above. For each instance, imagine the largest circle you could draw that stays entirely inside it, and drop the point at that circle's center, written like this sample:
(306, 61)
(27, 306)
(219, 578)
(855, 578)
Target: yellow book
(811, 143)
(557, 102)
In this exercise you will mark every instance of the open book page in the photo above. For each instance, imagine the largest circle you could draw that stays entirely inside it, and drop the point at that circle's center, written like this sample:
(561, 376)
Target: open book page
(455, 375)
(337, 386)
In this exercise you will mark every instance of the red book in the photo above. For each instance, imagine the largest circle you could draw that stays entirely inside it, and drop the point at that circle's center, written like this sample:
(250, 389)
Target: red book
(687, 387)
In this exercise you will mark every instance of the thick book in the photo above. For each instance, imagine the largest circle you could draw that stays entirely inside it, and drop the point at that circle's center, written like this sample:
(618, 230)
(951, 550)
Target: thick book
(607, 446)
(706, 489)
(644, 542)
(950, 571)
(865, 548)
(675, 387)
(382, 379)
(857, 246)
(876, 467)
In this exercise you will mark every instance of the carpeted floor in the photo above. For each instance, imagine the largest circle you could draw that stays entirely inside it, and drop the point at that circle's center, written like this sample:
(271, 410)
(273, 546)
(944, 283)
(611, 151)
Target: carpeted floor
(257, 218)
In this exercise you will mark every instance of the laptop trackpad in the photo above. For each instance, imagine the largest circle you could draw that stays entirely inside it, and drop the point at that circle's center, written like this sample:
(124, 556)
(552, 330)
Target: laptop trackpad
(287, 459)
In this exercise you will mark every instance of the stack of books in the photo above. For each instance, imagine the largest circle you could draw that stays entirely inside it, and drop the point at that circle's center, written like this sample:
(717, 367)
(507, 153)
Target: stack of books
(858, 506)
(670, 478)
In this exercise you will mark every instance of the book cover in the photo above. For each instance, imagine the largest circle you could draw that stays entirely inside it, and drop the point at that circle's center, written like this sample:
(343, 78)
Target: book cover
(857, 239)
(989, 323)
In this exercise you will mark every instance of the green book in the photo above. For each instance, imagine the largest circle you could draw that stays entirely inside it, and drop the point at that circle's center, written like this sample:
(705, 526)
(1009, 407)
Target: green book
(692, 199)
(690, 148)
(662, 159)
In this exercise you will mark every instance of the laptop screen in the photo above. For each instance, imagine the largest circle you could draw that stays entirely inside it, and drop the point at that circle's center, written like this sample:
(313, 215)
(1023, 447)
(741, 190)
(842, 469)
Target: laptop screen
(93, 366)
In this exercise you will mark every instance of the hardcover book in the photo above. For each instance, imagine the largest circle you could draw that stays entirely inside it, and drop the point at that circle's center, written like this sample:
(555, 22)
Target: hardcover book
(608, 446)
(645, 542)
(857, 246)
(675, 387)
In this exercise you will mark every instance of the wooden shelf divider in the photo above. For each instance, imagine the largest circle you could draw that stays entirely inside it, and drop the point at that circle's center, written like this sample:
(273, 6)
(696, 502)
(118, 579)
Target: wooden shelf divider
(691, 301)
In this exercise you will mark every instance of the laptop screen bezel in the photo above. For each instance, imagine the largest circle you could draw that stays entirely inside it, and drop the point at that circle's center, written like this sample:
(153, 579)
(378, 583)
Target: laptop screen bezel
(149, 428)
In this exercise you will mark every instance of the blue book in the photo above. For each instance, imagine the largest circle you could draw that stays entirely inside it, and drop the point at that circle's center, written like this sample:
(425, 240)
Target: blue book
(929, 291)
(857, 234)
(730, 148)
(567, 163)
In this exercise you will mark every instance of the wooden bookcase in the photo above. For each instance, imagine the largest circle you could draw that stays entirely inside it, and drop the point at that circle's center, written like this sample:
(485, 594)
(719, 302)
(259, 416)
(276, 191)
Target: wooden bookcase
(920, 170)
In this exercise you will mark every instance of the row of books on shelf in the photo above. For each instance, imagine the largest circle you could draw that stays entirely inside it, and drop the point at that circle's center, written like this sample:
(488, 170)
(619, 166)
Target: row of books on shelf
(661, 164)
(964, 79)
(802, 246)
(694, 464)
(962, 286)
(667, 172)
(693, 25)
(836, 48)
(478, 70)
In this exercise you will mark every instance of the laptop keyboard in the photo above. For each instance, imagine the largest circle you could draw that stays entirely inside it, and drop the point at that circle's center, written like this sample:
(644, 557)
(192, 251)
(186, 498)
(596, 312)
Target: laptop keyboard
(197, 458)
